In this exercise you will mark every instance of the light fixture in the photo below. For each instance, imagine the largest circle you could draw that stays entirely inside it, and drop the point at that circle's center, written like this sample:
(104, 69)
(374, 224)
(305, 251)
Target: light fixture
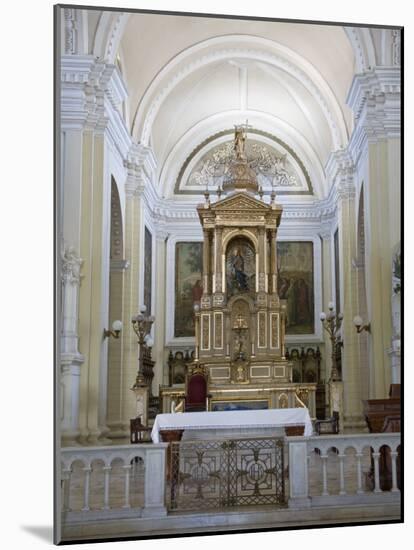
(359, 324)
(142, 326)
(332, 322)
(116, 330)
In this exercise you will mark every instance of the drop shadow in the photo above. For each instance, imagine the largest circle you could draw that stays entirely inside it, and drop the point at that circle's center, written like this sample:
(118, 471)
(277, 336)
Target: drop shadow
(43, 532)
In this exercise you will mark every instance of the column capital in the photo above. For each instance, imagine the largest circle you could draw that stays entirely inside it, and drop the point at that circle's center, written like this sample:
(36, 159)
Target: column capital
(71, 266)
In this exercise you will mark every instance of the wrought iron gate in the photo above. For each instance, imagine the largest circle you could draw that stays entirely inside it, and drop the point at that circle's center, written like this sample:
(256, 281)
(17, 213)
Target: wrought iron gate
(236, 472)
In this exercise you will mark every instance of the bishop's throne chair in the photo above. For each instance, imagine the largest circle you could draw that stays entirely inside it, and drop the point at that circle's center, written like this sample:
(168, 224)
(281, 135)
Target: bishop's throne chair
(196, 391)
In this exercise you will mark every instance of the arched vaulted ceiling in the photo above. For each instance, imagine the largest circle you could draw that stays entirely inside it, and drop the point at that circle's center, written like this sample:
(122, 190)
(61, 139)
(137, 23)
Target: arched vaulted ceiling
(193, 78)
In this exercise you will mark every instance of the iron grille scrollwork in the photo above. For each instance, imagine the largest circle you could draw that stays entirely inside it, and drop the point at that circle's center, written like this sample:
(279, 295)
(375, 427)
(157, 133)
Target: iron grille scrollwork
(226, 473)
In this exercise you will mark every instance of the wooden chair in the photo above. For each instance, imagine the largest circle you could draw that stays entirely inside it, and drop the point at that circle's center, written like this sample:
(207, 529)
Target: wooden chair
(196, 391)
(328, 426)
(139, 432)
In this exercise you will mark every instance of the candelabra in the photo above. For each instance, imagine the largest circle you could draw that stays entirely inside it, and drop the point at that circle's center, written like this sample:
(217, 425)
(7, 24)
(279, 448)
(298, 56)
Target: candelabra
(142, 326)
(332, 322)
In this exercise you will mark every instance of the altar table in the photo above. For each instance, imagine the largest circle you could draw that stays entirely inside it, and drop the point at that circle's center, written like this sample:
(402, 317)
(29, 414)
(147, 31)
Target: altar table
(264, 423)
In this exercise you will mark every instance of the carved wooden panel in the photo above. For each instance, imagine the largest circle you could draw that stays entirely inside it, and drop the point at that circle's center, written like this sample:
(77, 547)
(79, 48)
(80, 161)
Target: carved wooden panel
(205, 331)
(218, 330)
(261, 329)
(274, 330)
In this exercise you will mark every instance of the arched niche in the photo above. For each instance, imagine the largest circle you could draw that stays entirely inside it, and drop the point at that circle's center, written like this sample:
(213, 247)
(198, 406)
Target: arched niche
(240, 266)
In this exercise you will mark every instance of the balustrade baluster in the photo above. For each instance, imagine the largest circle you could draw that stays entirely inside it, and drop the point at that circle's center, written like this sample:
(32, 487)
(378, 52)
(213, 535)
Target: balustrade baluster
(394, 455)
(66, 478)
(127, 469)
(87, 471)
(377, 488)
(324, 475)
(107, 471)
(341, 475)
(359, 473)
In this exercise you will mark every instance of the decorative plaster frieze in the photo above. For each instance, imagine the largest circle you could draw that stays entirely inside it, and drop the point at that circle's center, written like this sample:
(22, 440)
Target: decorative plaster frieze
(71, 266)
(396, 47)
(70, 30)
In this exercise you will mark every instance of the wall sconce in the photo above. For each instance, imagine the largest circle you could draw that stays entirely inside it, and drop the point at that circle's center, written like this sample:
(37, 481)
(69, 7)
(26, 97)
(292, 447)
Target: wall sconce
(116, 330)
(359, 324)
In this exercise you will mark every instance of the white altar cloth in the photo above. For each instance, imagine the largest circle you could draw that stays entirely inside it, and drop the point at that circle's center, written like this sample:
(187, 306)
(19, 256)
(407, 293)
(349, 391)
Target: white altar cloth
(224, 420)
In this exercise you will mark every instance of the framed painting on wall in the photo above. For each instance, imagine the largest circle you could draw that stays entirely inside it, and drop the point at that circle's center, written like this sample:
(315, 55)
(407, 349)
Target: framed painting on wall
(295, 280)
(188, 286)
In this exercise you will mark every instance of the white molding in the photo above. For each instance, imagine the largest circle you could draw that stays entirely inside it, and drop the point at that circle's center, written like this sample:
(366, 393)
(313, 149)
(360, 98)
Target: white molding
(375, 98)
(90, 95)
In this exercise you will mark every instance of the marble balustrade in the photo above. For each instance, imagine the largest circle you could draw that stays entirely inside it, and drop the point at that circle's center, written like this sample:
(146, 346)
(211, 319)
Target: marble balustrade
(129, 481)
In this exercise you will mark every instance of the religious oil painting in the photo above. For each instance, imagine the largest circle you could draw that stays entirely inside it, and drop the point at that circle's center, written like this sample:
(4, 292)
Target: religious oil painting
(188, 286)
(208, 275)
(295, 284)
(240, 267)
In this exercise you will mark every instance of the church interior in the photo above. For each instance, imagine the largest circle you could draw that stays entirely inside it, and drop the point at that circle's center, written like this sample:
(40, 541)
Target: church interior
(230, 273)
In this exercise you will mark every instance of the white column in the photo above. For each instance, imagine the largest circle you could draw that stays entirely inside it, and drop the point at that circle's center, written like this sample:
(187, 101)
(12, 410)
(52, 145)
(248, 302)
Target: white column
(158, 351)
(394, 455)
(66, 478)
(324, 459)
(377, 488)
(86, 488)
(71, 359)
(155, 481)
(359, 473)
(375, 99)
(127, 469)
(298, 474)
(107, 472)
(341, 475)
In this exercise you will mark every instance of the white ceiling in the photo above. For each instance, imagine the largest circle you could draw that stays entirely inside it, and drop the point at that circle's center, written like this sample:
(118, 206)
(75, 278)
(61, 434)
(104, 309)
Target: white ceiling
(191, 77)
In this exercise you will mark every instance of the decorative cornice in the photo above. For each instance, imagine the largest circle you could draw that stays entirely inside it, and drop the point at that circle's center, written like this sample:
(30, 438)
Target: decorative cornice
(71, 266)
(91, 92)
(375, 98)
(141, 167)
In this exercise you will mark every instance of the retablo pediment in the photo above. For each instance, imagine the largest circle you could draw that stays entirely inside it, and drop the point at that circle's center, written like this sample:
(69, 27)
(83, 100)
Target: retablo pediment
(240, 201)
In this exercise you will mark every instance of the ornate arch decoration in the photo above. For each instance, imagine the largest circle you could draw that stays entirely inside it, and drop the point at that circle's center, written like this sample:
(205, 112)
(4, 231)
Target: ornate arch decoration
(266, 125)
(254, 48)
(254, 133)
(108, 35)
(240, 233)
(363, 46)
(241, 297)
